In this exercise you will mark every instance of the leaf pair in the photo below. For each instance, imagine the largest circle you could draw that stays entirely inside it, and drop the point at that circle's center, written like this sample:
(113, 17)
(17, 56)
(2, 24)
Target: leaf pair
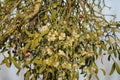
(115, 66)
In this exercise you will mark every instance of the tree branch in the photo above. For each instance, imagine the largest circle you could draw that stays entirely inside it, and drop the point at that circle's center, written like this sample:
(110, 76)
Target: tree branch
(11, 30)
(10, 11)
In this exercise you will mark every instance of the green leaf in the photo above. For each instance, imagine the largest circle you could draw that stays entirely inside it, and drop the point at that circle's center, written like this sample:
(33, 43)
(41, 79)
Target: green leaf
(112, 69)
(109, 57)
(100, 51)
(28, 33)
(27, 46)
(37, 61)
(96, 76)
(36, 40)
(33, 78)
(27, 75)
(17, 65)
(42, 68)
(103, 46)
(34, 44)
(118, 54)
(114, 50)
(103, 71)
(18, 72)
(26, 63)
(115, 54)
(5, 61)
(117, 67)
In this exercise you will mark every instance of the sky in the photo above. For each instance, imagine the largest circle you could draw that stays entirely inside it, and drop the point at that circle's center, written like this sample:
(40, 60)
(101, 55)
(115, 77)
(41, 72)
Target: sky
(10, 73)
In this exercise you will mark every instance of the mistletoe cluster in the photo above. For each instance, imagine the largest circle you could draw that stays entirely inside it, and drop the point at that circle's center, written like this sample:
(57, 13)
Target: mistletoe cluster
(55, 39)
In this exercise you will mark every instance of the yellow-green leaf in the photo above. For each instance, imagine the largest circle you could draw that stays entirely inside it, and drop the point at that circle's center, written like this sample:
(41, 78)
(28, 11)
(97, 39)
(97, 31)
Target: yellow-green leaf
(33, 78)
(117, 67)
(28, 33)
(112, 69)
(17, 65)
(42, 69)
(27, 46)
(103, 71)
(6, 62)
(27, 75)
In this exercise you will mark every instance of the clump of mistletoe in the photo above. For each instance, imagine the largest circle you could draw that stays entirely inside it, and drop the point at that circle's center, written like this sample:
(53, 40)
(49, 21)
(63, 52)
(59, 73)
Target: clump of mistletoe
(55, 39)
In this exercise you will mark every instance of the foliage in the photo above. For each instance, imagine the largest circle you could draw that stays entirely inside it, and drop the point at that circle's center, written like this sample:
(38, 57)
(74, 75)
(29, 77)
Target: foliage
(57, 38)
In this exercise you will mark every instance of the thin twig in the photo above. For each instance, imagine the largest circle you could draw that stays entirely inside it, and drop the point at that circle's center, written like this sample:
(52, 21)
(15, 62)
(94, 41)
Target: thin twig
(10, 30)
(10, 11)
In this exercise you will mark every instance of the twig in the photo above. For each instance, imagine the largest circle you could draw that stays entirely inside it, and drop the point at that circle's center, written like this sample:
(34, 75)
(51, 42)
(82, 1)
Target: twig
(10, 30)
(10, 11)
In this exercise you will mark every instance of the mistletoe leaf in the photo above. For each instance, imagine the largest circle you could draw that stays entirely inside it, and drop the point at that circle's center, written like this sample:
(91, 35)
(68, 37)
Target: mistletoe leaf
(117, 67)
(112, 69)
(103, 71)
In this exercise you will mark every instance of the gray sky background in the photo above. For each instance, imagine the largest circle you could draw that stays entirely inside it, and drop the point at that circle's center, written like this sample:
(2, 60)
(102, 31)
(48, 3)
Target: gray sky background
(10, 73)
